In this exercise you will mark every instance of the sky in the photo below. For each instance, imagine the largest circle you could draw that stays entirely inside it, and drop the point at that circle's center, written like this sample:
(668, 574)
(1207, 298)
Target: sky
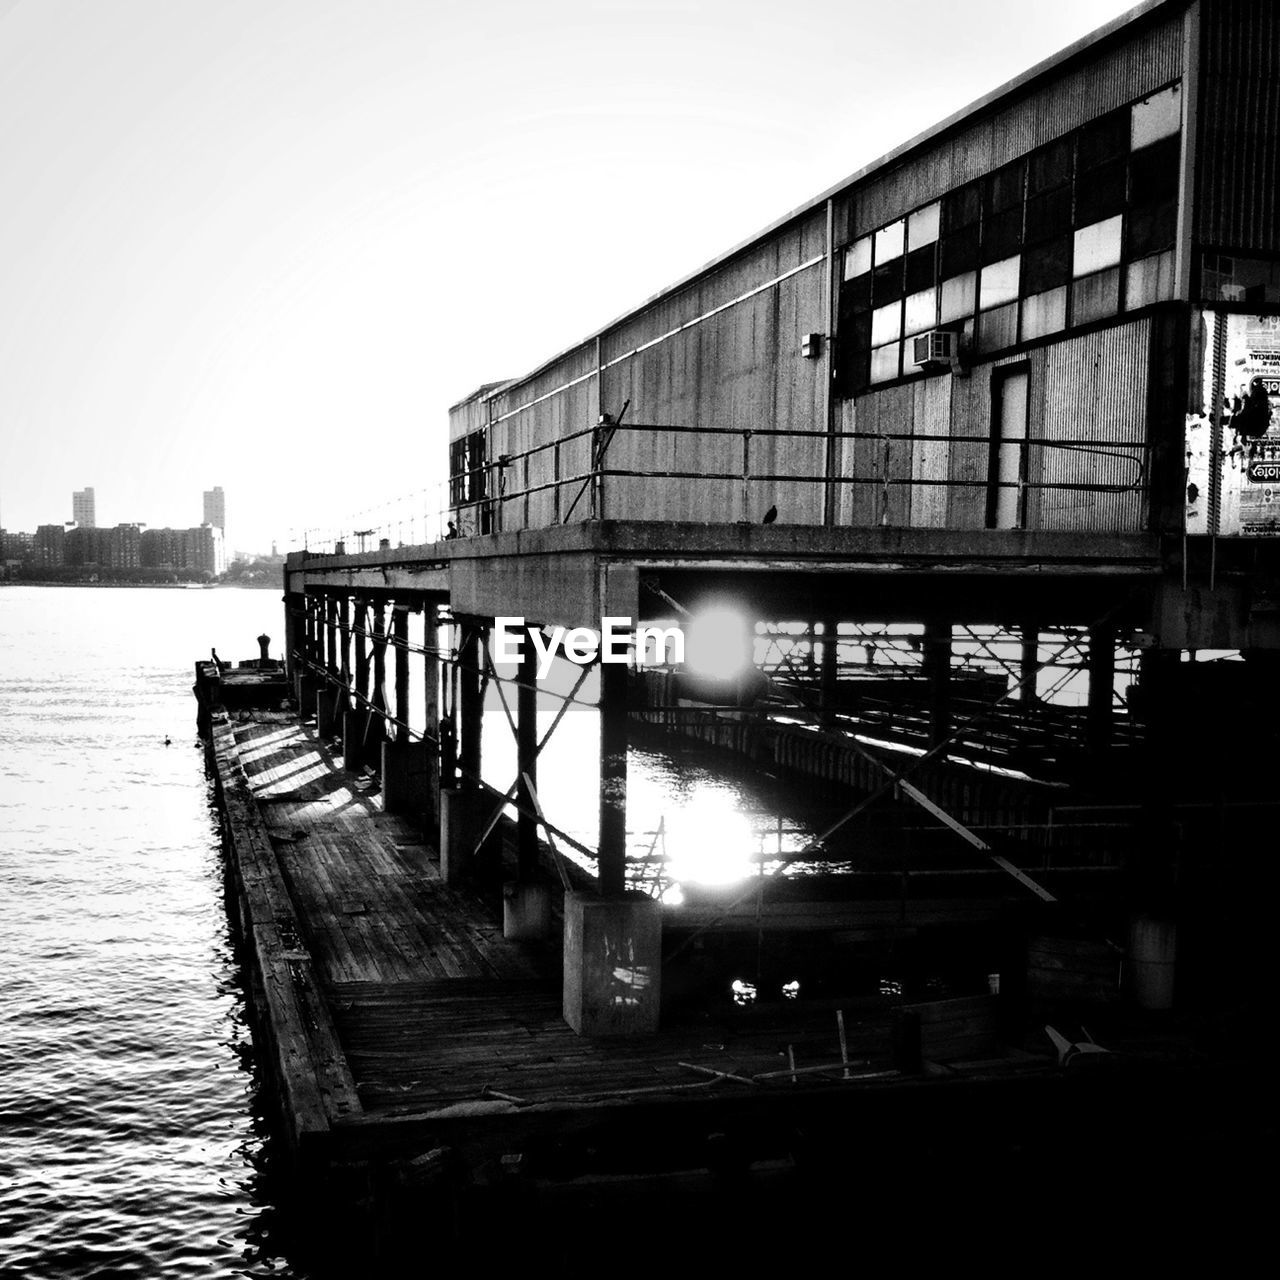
(265, 244)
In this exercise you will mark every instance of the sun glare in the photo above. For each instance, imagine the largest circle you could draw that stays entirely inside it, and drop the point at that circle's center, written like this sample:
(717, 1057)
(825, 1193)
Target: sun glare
(717, 644)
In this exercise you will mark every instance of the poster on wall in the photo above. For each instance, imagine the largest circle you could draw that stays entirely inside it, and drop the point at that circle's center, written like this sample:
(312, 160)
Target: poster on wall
(1239, 430)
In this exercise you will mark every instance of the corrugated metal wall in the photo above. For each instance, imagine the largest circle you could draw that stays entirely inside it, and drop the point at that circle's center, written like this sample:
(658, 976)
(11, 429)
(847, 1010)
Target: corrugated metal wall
(558, 401)
(1092, 388)
(1238, 190)
(724, 353)
(1095, 387)
(1114, 77)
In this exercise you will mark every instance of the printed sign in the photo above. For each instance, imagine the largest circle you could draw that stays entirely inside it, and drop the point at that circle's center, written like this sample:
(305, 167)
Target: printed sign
(1241, 394)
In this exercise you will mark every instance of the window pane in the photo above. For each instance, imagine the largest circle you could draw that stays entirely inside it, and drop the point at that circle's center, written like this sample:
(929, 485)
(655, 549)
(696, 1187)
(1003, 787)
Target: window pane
(889, 242)
(886, 282)
(921, 311)
(960, 208)
(1047, 265)
(1001, 234)
(886, 324)
(1101, 193)
(1050, 167)
(999, 282)
(1157, 117)
(857, 258)
(1151, 229)
(998, 328)
(1044, 313)
(957, 297)
(923, 226)
(855, 296)
(1153, 172)
(1103, 140)
(922, 269)
(884, 362)
(1095, 297)
(1049, 215)
(1004, 187)
(960, 251)
(1097, 246)
(1150, 280)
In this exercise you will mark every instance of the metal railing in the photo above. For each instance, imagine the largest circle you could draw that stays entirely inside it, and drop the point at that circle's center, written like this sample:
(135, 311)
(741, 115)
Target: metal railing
(845, 462)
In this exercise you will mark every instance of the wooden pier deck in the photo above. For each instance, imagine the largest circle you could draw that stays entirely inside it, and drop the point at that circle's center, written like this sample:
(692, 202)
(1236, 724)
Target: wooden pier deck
(430, 1005)
(424, 1073)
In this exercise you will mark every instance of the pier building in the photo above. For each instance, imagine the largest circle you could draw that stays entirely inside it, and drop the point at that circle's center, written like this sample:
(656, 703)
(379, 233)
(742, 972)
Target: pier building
(990, 423)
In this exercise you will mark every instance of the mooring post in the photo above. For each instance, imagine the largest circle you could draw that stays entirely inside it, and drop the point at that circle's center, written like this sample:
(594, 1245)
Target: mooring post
(1102, 680)
(612, 939)
(937, 672)
(526, 904)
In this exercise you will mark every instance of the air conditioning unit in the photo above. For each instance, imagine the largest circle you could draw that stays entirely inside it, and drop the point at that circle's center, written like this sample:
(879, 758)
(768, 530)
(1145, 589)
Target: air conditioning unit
(936, 348)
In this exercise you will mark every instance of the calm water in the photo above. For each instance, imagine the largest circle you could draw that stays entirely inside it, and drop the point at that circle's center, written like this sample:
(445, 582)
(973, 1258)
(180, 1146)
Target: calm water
(129, 1139)
(132, 1141)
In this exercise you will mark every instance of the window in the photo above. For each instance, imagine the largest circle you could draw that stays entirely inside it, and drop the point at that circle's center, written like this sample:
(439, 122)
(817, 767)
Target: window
(466, 469)
(1075, 231)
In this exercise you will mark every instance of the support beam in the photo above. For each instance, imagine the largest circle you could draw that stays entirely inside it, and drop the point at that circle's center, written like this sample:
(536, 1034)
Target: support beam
(431, 709)
(331, 634)
(829, 669)
(1102, 680)
(356, 720)
(527, 762)
(400, 631)
(1028, 665)
(936, 666)
(613, 779)
(469, 705)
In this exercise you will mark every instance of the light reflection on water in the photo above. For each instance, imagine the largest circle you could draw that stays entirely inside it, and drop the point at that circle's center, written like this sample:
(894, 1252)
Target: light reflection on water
(686, 824)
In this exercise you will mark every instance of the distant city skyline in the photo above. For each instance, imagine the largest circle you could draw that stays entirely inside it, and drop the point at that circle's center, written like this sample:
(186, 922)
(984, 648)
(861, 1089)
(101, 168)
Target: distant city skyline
(280, 234)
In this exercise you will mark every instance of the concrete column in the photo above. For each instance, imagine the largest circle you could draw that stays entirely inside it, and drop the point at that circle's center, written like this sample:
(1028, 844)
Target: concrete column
(937, 672)
(329, 714)
(612, 963)
(613, 779)
(1102, 679)
(405, 778)
(457, 833)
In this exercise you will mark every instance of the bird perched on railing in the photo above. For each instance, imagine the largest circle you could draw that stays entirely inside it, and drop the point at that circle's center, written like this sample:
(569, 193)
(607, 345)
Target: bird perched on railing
(770, 516)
